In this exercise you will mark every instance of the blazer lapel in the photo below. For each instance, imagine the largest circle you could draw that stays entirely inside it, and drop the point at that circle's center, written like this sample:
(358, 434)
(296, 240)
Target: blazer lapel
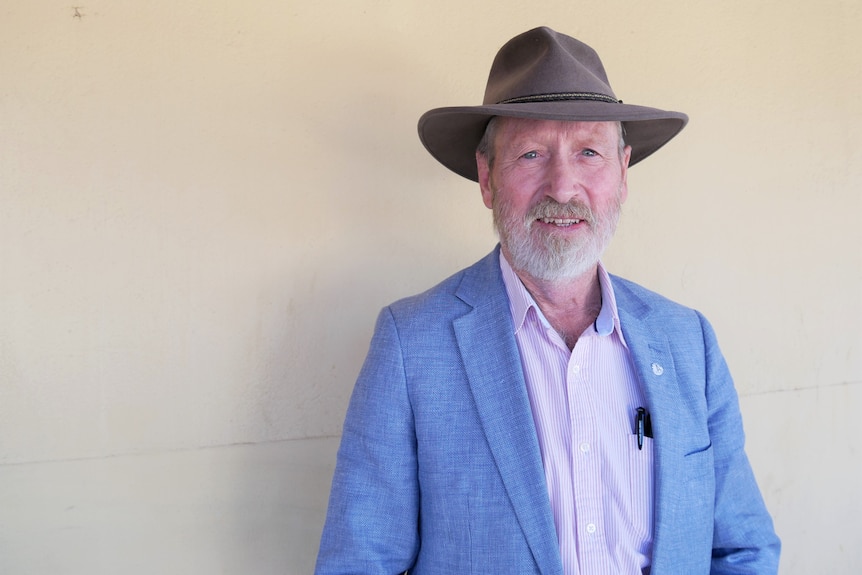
(492, 363)
(648, 343)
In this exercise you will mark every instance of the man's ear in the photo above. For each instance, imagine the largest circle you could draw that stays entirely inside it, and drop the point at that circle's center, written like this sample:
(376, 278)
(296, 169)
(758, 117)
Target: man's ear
(624, 187)
(485, 180)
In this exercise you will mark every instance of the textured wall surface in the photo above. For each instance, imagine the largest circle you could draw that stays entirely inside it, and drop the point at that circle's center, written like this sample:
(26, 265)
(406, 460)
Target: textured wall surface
(203, 205)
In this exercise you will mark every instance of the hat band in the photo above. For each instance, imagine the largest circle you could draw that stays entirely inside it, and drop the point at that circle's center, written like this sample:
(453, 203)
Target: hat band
(593, 96)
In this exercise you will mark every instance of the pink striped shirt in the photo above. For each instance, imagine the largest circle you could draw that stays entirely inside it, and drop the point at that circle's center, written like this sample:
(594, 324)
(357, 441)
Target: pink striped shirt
(584, 404)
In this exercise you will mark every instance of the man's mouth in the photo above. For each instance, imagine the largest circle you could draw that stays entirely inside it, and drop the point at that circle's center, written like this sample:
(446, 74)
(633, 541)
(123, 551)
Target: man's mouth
(563, 222)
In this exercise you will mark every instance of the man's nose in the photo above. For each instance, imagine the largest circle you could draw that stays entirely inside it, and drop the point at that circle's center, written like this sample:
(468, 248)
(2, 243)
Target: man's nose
(564, 180)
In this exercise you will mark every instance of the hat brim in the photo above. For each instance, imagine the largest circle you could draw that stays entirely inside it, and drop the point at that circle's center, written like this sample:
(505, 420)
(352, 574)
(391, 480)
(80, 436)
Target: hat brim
(451, 134)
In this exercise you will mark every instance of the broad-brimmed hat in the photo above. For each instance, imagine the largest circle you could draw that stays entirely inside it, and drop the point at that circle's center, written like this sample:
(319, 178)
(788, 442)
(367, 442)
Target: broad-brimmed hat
(543, 74)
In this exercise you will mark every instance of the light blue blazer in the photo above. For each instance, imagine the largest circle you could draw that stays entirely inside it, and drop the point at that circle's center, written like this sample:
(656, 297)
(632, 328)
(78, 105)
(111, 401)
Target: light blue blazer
(439, 470)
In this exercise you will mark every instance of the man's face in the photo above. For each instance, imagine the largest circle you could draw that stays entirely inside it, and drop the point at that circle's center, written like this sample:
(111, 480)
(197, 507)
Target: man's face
(556, 189)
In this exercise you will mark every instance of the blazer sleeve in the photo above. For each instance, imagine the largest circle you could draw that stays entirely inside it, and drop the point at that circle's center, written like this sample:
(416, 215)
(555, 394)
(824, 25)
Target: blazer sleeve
(744, 541)
(372, 521)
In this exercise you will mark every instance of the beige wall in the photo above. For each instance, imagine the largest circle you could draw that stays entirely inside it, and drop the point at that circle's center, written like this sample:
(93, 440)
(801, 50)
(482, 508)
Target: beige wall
(203, 205)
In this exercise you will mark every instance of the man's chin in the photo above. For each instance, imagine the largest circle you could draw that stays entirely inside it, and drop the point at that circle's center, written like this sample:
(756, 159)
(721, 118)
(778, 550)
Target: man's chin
(554, 268)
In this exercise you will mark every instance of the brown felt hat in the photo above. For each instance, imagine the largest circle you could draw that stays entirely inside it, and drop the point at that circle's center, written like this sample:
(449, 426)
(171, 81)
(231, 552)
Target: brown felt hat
(543, 74)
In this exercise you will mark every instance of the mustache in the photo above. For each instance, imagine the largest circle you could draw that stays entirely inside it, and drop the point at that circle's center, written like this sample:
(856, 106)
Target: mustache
(550, 208)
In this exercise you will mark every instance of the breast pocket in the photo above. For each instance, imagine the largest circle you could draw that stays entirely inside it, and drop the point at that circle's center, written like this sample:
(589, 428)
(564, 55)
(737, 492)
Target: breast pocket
(641, 484)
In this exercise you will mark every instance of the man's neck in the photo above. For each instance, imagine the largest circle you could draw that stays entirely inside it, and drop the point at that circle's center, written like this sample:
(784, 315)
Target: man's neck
(570, 305)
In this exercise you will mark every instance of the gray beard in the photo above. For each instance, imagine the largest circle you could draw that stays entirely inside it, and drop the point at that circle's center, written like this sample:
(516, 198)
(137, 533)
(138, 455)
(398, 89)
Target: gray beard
(549, 256)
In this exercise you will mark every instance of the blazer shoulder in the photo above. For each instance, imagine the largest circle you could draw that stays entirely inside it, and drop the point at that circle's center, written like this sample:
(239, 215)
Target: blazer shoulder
(630, 293)
(640, 302)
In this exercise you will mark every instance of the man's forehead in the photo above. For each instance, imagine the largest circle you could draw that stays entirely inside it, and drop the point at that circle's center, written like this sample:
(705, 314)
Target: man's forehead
(514, 127)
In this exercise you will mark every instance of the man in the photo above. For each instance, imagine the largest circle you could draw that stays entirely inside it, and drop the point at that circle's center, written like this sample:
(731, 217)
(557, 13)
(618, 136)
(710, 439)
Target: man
(532, 413)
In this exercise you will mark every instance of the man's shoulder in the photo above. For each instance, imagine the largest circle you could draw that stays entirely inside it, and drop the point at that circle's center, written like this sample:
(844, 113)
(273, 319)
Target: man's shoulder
(639, 300)
(645, 313)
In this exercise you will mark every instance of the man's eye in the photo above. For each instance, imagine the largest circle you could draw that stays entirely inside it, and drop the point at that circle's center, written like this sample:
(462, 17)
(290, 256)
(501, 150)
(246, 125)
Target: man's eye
(531, 155)
(589, 152)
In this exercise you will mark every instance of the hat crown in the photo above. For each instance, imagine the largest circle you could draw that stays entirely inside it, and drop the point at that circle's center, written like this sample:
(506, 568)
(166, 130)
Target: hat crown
(543, 65)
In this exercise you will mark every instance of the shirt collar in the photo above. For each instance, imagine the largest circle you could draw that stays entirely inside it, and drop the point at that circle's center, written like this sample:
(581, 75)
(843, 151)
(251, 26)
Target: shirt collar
(520, 301)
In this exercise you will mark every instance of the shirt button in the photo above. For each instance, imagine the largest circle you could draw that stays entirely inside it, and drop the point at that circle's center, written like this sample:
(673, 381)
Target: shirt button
(585, 447)
(591, 528)
(576, 368)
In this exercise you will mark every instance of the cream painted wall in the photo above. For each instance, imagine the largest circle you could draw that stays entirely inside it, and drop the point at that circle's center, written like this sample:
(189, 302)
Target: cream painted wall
(203, 205)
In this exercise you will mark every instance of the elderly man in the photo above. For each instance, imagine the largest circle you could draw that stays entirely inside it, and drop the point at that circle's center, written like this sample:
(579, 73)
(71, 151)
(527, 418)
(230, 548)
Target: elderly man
(532, 413)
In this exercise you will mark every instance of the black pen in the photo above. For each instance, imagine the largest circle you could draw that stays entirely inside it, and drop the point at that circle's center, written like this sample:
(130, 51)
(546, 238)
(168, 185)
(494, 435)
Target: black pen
(640, 423)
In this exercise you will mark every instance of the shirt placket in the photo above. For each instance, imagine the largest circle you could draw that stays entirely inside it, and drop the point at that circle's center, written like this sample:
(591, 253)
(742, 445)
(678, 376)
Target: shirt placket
(586, 461)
